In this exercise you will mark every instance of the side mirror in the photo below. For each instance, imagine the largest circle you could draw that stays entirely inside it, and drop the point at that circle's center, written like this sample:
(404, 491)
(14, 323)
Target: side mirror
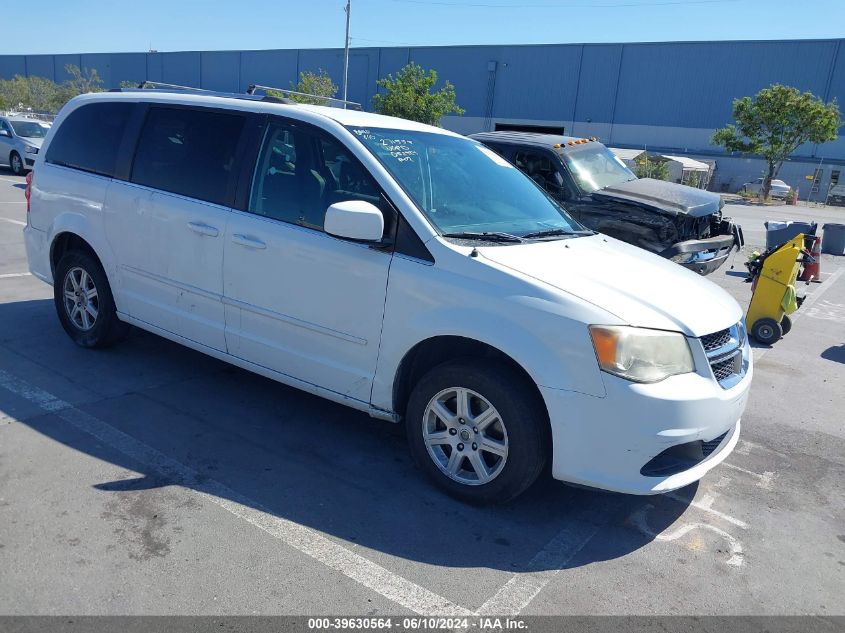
(355, 220)
(5, 133)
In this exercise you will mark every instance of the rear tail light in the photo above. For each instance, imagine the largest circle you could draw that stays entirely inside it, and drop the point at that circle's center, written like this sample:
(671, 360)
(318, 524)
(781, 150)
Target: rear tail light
(28, 191)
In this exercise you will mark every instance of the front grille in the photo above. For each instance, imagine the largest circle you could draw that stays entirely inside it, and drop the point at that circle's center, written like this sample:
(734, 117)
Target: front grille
(724, 353)
(716, 340)
(726, 368)
(707, 448)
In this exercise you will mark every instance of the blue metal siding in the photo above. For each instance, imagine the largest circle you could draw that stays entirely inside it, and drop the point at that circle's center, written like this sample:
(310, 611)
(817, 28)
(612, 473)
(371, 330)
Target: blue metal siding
(597, 82)
(220, 71)
(694, 84)
(271, 68)
(126, 67)
(59, 72)
(628, 93)
(181, 68)
(465, 68)
(40, 66)
(11, 65)
(537, 82)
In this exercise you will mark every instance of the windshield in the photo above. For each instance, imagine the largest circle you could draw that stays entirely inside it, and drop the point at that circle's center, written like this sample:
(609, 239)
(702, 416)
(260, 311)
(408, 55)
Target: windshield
(30, 129)
(595, 167)
(462, 186)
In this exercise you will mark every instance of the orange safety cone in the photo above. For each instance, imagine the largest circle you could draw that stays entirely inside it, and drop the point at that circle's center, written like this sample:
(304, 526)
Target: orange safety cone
(813, 271)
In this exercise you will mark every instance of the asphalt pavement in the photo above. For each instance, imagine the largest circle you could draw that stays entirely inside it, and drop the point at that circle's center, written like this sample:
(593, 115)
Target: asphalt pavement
(150, 479)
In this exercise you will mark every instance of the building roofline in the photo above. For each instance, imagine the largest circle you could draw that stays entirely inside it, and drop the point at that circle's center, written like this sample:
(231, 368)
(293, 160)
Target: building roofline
(442, 46)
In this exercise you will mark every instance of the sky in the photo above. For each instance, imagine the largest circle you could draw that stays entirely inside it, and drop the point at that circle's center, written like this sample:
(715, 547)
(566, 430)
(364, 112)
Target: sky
(94, 26)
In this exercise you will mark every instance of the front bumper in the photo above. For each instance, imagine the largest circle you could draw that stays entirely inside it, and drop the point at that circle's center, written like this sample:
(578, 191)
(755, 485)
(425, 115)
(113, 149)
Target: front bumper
(706, 255)
(606, 442)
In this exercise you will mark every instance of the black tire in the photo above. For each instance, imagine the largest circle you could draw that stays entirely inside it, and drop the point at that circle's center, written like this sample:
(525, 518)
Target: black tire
(105, 328)
(17, 164)
(785, 324)
(766, 331)
(520, 411)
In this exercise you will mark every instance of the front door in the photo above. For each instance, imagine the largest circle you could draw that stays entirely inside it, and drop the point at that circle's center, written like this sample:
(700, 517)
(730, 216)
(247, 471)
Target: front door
(299, 301)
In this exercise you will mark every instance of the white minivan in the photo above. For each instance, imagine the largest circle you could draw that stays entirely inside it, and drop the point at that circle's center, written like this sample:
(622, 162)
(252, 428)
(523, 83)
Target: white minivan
(396, 268)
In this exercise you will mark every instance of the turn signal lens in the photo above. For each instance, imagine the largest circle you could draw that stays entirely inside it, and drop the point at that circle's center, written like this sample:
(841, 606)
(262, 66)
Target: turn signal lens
(640, 354)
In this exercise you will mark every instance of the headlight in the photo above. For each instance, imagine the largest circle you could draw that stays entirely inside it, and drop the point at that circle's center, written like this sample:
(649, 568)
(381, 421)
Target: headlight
(30, 149)
(639, 354)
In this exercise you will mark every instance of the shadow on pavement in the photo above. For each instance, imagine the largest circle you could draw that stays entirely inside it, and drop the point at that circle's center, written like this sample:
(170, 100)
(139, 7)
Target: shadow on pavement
(305, 459)
(836, 353)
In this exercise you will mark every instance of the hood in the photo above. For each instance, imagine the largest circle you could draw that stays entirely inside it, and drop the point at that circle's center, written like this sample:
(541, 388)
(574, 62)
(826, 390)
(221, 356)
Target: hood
(667, 196)
(35, 142)
(639, 288)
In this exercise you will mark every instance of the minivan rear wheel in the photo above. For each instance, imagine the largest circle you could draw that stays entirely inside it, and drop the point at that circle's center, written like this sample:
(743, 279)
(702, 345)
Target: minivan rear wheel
(16, 164)
(477, 430)
(84, 301)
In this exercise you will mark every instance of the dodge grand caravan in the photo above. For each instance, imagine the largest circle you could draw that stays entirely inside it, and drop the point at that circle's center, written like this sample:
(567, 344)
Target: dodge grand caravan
(396, 268)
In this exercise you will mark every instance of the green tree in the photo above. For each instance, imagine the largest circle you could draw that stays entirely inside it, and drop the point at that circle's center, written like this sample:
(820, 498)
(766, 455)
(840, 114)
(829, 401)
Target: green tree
(775, 122)
(409, 96)
(651, 168)
(36, 93)
(82, 81)
(318, 83)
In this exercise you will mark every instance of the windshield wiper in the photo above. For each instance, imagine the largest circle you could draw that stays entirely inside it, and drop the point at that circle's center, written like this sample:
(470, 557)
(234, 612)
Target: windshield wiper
(489, 236)
(554, 232)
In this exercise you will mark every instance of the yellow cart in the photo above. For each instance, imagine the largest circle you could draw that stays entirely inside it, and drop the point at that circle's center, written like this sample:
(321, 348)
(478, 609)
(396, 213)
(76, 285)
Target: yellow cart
(773, 291)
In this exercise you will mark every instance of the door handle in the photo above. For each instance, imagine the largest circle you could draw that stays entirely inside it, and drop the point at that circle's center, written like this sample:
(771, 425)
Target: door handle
(249, 242)
(203, 229)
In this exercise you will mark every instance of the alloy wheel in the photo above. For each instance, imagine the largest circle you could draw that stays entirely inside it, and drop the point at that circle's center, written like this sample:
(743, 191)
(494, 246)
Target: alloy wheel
(81, 300)
(465, 436)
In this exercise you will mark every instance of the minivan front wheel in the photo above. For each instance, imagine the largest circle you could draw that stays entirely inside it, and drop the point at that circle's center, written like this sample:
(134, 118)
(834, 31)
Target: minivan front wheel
(16, 163)
(477, 429)
(84, 301)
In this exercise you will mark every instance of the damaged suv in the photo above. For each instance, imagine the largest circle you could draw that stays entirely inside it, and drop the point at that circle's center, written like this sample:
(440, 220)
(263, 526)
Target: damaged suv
(675, 221)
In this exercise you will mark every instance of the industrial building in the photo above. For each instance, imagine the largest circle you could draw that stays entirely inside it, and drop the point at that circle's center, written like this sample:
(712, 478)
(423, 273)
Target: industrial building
(662, 97)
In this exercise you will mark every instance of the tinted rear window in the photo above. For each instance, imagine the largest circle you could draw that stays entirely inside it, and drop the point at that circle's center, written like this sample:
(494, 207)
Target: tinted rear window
(189, 152)
(89, 138)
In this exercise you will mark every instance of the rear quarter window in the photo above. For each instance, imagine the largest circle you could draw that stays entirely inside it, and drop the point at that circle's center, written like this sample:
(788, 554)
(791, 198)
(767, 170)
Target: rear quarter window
(89, 138)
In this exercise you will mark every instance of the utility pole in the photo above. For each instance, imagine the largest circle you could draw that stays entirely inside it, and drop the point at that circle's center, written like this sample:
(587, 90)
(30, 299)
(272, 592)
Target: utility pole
(348, 10)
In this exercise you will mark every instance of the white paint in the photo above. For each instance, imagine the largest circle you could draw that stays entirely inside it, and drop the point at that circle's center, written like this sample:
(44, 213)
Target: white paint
(522, 588)
(764, 479)
(827, 311)
(12, 201)
(638, 519)
(11, 221)
(705, 505)
(745, 446)
(10, 275)
(310, 542)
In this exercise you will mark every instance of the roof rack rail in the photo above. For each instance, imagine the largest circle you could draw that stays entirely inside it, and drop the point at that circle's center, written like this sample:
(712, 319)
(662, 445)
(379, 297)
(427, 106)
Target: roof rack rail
(354, 105)
(153, 85)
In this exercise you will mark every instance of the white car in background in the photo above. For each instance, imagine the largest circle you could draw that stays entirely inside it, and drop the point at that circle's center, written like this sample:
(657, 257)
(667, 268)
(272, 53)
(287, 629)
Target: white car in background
(20, 140)
(779, 188)
(396, 268)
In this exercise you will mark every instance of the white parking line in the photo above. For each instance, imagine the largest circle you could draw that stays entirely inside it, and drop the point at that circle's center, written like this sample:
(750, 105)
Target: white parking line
(705, 505)
(331, 554)
(522, 588)
(18, 222)
(764, 479)
(638, 519)
(10, 275)
(12, 201)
